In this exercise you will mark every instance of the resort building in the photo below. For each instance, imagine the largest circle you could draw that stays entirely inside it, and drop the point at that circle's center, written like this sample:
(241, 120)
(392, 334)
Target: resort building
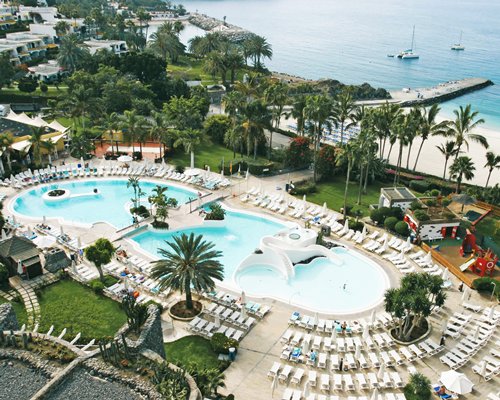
(48, 72)
(38, 14)
(396, 197)
(7, 18)
(437, 227)
(25, 46)
(118, 47)
(21, 256)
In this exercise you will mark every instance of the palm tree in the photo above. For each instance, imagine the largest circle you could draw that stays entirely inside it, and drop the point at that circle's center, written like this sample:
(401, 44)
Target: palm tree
(189, 139)
(344, 108)
(276, 96)
(258, 48)
(418, 387)
(448, 150)
(110, 123)
(62, 28)
(167, 44)
(403, 131)
(492, 162)
(50, 146)
(214, 64)
(297, 112)
(384, 124)
(71, 52)
(215, 380)
(348, 155)
(202, 45)
(190, 263)
(6, 141)
(79, 101)
(37, 142)
(318, 111)
(462, 167)
(461, 128)
(133, 182)
(131, 124)
(157, 128)
(429, 127)
(256, 118)
(234, 61)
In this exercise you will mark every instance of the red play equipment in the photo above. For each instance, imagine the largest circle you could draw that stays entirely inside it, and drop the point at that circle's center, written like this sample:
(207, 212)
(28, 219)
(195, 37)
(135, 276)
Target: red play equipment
(485, 260)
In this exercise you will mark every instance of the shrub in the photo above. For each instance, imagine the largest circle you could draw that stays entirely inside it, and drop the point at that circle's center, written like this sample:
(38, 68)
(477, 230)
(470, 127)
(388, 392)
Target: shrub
(445, 202)
(418, 388)
(448, 215)
(419, 186)
(216, 213)
(137, 155)
(159, 305)
(107, 281)
(160, 224)
(402, 228)
(179, 169)
(395, 212)
(299, 152)
(43, 88)
(304, 188)
(325, 164)
(221, 343)
(4, 275)
(435, 192)
(356, 225)
(141, 211)
(390, 223)
(377, 216)
(97, 286)
(421, 215)
(216, 126)
(486, 284)
(256, 168)
(415, 205)
(431, 203)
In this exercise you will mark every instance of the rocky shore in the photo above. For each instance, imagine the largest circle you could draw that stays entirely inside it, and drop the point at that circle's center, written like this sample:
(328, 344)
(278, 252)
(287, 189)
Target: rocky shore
(210, 24)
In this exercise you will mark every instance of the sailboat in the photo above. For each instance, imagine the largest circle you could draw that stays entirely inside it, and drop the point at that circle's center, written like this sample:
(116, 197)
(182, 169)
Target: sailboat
(458, 46)
(408, 53)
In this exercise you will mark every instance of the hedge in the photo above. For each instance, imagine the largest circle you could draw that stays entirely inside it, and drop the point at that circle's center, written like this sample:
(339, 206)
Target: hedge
(420, 186)
(390, 223)
(221, 343)
(402, 228)
(486, 284)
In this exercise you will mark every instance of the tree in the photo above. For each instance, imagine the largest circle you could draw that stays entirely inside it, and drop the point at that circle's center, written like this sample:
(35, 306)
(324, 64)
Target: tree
(133, 182)
(349, 152)
(256, 118)
(462, 167)
(258, 48)
(492, 162)
(81, 145)
(27, 84)
(202, 45)
(297, 112)
(318, 111)
(167, 44)
(344, 108)
(216, 127)
(7, 71)
(411, 303)
(131, 125)
(461, 128)
(189, 139)
(37, 142)
(190, 263)
(79, 101)
(215, 380)
(62, 28)
(6, 141)
(71, 52)
(418, 387)
(448, 150)
(276, 96)
(404, 129)
(429, 127)
(136, 313)
(100, 253)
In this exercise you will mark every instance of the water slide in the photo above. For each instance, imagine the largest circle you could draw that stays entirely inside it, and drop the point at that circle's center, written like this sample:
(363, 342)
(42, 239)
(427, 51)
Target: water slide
(467, 264)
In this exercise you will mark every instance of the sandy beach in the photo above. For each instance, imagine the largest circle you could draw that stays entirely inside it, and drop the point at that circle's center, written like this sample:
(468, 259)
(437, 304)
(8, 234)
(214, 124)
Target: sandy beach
(431, 160)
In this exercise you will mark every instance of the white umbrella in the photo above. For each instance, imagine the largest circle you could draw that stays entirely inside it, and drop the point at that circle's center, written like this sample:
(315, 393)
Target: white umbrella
(363, 233)
(491, 314)
(381, 371)
(465, 293)
(374, 394)
(446, 274)
(304, 198)
(44, 242)
(456, 382)
(222, 173)
(124, 159)
(428, 258)
(366, 331)
(19, 267)
(316, 319)
(346, 225)
(217, 321)
(239, 169)
(323, 209)
(475, 334)
(357, 353)
(372, 319)
(243, 298)
(334, 333)
(482, 372)
(243, 312)
(274, 385)
(4, 234)
(305, 393)
(247, 174)
(79, 242)
(61, 230)
(44, 219)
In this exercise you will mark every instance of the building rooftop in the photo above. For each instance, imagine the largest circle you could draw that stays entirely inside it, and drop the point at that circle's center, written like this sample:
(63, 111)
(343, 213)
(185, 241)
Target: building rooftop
(398, 193)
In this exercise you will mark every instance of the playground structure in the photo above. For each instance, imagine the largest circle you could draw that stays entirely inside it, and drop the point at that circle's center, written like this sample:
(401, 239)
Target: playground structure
(482, 262)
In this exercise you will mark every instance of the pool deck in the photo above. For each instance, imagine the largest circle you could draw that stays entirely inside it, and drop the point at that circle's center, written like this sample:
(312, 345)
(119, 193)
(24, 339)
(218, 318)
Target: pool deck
(246, 378)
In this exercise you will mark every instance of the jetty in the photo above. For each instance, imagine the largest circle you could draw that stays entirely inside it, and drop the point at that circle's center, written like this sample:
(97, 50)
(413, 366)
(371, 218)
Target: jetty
(408, 97)
(210, 24)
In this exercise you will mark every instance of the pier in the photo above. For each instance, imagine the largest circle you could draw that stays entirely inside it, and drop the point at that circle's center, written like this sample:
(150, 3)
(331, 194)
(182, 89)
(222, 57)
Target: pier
(409, 97)
(211, 24)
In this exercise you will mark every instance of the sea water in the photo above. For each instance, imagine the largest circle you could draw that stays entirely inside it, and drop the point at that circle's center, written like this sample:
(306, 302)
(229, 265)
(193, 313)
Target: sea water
(349, 41)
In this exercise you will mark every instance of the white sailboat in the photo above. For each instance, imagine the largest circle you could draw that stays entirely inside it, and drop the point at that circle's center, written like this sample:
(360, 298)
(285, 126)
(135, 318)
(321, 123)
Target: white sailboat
(458, 46)
(409, 53)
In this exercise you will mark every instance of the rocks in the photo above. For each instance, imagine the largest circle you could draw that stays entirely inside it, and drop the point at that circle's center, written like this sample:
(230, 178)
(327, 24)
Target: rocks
(233, 32)
(8, 319)
(19, 381)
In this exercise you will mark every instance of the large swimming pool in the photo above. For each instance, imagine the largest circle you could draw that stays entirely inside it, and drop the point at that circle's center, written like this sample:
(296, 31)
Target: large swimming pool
(354, 286)
(110, 205)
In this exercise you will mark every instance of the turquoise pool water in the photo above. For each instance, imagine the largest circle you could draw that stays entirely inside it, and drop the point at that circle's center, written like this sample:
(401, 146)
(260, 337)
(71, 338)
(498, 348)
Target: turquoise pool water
(317, 286)
(109, 205)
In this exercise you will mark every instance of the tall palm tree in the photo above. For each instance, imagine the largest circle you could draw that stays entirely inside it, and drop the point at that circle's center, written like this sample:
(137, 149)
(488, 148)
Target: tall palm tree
(214, 64)
(157, 128)
(256, 118)
(189, 139)
(62, 28)
(131, 124)
(384, 123)
(344, 109)
(297, 112)
(462, 167)
(258, 49)
(190, 263)
(276, 96)
(492, 162)
(403, 130)
(37, 142)
(348, 155)
(463, 125)
(202, 45)
(167, 44)
(448, 150)
(6, 141)
(79, 101)
(71, 52)
(318, 111)
(110, 123)
(234, 62)
(429, 127)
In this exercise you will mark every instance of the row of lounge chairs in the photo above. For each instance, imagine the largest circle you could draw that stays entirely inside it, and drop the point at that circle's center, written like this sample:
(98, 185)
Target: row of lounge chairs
(234, 317)
(488, 367)
(229, 300)
(293, 394)
(208, 328)
(64, 239)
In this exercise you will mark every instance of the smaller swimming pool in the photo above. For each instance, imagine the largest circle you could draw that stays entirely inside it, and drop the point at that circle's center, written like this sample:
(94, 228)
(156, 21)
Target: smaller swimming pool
(85, 206)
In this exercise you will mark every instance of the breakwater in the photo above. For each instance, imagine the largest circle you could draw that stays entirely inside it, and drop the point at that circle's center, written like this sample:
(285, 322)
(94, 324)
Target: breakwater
(210, 24)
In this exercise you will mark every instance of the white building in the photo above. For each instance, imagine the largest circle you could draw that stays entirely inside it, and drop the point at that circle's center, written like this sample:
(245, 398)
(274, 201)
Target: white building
(38, 14)
(396, 197)
(118, 47)
(6, 16)
(48, 73)
(24, 46)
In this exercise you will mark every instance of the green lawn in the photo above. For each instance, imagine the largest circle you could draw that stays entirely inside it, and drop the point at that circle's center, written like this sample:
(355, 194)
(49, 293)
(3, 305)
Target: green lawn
(192, 350)
(21, 315)
(490, 226)
(333, 193)
(210, 154)
(70, 305)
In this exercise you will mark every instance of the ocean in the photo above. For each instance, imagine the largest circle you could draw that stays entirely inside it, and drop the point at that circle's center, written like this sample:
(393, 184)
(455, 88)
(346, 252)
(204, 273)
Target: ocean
(349, 40)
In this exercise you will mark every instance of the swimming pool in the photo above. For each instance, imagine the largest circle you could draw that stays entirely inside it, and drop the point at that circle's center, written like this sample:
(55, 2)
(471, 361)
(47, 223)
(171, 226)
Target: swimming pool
(317, 286)
(109, 205)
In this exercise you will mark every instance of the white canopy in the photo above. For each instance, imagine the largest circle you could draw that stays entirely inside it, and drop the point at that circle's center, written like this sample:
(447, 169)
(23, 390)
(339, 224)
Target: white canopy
(44, 242)
(57, 126)
(55, 139)
(23, 145)
(124, 158)
(456, 382)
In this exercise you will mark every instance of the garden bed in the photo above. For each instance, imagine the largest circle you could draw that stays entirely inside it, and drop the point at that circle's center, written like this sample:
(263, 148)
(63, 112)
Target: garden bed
(179, 310)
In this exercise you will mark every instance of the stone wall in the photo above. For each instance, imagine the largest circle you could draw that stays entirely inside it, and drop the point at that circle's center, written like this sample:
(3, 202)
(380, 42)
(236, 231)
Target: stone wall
(8, 319)
(151, 337)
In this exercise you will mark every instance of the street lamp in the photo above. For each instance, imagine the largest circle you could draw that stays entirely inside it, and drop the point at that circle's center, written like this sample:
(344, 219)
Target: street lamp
(494, 289)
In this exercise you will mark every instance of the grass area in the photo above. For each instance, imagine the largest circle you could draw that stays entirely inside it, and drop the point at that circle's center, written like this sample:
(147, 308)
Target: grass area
(210, 154)
(108, 280)
(22, 317)
(192, 350)
(332, 192)
(490, 226)
(51, 92)
(70, 305)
